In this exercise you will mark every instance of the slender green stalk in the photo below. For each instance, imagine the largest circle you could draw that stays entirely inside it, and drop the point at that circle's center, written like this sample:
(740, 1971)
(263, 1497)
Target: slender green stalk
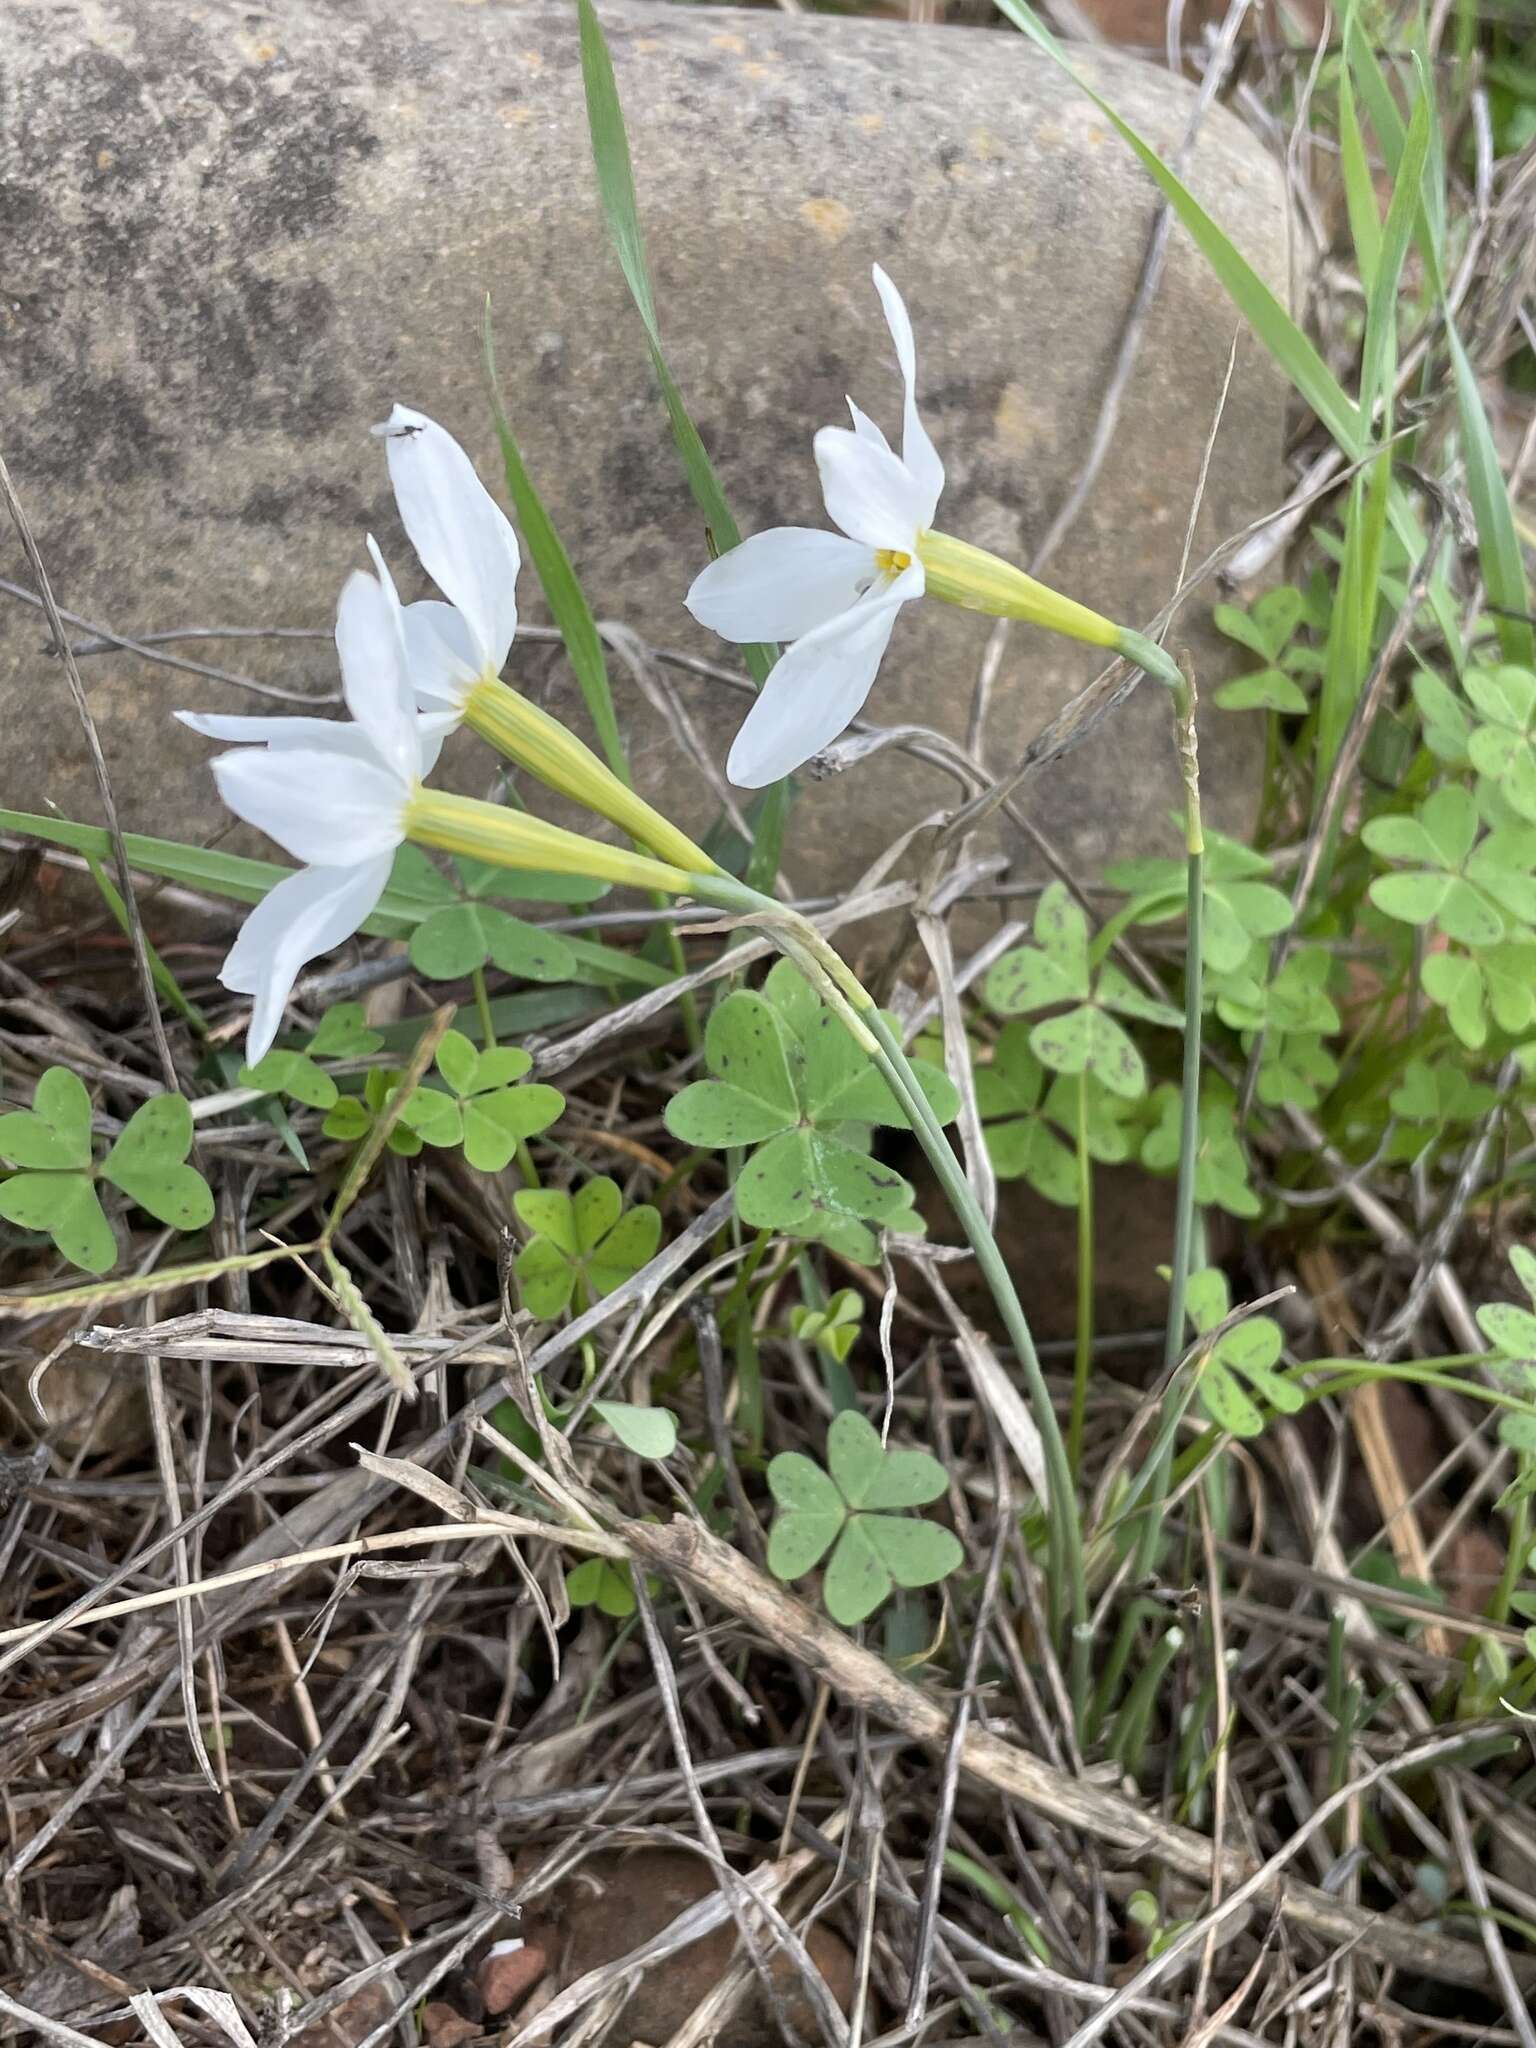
(483, 1007)
(1082, 1363)
(1517, 1544)
(1128, 1737)
(1189, 1120)
(804, 944)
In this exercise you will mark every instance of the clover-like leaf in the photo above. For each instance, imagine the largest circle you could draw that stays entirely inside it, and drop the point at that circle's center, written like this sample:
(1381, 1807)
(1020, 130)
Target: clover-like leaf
(146, 1162)
(293, 1074)
(496, 1124)
(856, 1580)
(834, 1328)
(583, 1239)
(1455, 982)
(56, 1131)
(343, 1033)
(648, 1432)
(455, 940)
(65, 1206)
(603, 1583)
(811, 1512)
(1268, 689)
(915, 1553)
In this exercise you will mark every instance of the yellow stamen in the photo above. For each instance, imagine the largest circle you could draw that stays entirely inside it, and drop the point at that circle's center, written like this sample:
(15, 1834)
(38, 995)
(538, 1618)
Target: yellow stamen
(891, 561)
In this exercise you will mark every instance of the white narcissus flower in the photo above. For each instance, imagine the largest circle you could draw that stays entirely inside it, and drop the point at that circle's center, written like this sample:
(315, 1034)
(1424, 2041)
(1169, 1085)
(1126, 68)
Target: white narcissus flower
(334, 794)
(466, 544)
(835, 596)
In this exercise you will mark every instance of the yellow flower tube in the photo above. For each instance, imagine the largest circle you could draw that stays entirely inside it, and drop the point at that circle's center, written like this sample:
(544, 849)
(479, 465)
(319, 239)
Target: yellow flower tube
(511, 839)
(959, 574)
(542, 745)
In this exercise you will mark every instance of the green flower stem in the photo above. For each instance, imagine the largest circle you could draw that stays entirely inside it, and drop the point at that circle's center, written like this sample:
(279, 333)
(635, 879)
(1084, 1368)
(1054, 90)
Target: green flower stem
(483, 1007)
(1082, 1363)
(1516, 1546)
(806, 946)
(1189, 1117)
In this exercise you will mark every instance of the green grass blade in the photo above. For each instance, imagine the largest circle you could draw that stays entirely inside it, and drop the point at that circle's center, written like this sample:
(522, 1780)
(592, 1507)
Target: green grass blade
(1254, 300)
(1359, 188)
(1379, 350)
(1498, 544)
(616, 189)
(561, 586)
(239, 880)
(229, 875)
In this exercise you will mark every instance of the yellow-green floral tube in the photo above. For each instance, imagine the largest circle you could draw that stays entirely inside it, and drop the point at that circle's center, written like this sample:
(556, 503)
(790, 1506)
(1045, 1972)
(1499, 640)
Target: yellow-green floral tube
(960, 574)
(511, 839)
(542, 745)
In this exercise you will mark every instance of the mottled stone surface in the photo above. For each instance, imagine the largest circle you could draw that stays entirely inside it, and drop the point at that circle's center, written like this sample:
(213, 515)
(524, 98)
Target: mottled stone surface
(234, 234)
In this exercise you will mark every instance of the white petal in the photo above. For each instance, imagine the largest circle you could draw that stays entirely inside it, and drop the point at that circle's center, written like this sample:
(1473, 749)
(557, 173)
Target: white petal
(326, 808)
(869, 492)
(780, 584)
(304, 916)
(917, 451)
(375, 679)
(462, 536)
(866, 429)
(270, 732)
(432, 728)
(440, 653)
(817, 687)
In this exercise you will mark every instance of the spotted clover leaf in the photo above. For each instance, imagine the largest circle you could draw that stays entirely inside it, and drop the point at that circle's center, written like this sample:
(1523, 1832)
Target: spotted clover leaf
(789, 1080)
(850, 1515)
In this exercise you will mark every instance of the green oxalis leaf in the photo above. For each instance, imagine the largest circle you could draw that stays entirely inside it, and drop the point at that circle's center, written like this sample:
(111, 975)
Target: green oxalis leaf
(603, 1583)
(454, 941)
(1477, 890)
(1504, 749)
(789, 1080)
(1244, 1357)
(1496, 984)
(648, 1432)
(849, 1510)
(587, 1239)
(1295, 1000)
(54, 1190)
(1083, 1037)
(486, 1107)
(1431, 1098)
(1239, 905)
(834, 1328)
(1511, 1331)
(1029, 1118)
(1221, 1166)
(343, 1034)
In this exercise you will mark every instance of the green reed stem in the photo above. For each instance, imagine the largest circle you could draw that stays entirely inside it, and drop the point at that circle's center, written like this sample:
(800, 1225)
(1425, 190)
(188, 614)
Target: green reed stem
(1082, 1362)
(839, 986)
(1189, 1118)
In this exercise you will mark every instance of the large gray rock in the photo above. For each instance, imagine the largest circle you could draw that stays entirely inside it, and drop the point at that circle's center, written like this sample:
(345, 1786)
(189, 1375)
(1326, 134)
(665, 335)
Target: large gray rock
(233, 235)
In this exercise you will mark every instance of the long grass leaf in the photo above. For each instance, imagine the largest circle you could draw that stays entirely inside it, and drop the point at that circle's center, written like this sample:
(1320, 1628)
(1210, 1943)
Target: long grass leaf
(1258, 305)
(1379, 350)
(1359, 186)
(1498, 543)
(621, 209)
(561, 585)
